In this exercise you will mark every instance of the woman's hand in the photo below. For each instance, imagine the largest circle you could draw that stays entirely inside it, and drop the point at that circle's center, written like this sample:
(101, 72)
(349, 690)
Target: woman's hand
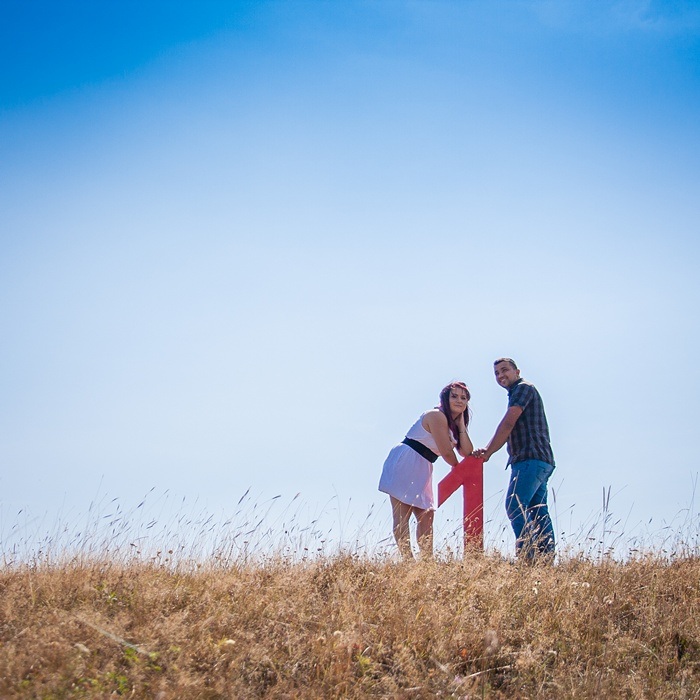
(464, 444)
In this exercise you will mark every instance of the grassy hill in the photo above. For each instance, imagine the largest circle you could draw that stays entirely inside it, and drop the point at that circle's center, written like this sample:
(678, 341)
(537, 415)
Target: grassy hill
(348, 627)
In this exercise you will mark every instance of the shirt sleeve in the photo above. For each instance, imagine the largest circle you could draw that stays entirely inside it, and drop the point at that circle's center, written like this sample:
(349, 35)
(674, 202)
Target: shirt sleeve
(521, 396)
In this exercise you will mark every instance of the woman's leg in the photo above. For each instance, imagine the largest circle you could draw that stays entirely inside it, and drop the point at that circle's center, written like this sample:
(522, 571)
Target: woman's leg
(401, 512)
(424, 531)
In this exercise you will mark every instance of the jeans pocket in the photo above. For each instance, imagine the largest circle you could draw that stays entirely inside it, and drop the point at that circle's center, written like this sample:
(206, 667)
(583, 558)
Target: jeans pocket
(546, 471)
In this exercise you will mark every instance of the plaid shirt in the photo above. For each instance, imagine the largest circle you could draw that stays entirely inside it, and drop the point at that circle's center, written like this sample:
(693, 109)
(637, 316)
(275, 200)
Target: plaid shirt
(529, 439)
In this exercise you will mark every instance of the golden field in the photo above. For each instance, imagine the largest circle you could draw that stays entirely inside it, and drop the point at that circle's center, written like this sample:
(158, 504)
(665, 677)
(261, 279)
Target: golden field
(347, 626)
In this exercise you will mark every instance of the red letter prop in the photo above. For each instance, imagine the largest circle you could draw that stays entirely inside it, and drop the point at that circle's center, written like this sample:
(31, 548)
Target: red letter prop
(470, 474)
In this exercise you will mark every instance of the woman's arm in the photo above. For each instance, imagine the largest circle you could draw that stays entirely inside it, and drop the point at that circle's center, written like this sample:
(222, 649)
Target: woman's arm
(464, 444)
(436, 424)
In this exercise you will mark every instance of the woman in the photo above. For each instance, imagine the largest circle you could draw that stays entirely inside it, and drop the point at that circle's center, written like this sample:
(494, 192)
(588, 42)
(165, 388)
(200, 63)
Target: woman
(407, 475)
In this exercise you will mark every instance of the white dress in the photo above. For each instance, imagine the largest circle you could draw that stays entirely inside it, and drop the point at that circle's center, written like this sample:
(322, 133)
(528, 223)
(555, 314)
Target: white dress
(406, 475)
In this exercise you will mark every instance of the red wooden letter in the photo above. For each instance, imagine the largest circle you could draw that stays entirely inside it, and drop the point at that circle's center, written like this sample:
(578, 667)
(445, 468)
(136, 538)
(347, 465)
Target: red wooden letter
(469, 473)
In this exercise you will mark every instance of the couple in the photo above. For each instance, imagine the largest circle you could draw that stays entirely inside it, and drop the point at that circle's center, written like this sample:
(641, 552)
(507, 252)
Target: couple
(408, 470)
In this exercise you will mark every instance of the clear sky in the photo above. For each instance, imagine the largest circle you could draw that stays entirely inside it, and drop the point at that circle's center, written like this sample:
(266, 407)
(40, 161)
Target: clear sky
(244, 245)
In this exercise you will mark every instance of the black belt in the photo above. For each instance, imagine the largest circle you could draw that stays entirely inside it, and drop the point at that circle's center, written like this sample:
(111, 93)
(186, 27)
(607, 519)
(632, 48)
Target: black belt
(421, 449)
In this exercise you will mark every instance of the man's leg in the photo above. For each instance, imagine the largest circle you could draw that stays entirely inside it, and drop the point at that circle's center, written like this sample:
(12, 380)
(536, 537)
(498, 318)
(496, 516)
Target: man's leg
(401, 512)
(514, 509)
(538, 516)
(526, 479)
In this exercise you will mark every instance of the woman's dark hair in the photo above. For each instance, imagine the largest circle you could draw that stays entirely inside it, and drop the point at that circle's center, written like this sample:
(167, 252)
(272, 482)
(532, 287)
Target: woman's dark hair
(445, 406)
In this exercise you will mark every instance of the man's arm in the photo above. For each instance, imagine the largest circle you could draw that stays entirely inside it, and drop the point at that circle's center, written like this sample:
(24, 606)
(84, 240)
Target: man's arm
(504, 429)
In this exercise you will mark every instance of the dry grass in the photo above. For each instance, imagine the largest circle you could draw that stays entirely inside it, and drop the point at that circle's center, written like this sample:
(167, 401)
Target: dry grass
(351, 627)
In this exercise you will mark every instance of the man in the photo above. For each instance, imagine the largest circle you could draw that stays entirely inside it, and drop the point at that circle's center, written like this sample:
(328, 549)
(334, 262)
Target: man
(524, 427)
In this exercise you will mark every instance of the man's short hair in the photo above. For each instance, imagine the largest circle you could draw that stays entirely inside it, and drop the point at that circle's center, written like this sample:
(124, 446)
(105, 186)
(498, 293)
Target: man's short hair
(505, 359)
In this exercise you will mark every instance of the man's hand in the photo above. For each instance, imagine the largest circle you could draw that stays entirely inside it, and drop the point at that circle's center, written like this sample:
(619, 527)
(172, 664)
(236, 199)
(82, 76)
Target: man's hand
(503, 430)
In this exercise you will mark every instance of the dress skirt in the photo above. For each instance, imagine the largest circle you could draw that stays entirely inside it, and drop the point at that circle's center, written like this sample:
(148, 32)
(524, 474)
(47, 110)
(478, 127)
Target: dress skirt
(408, 477)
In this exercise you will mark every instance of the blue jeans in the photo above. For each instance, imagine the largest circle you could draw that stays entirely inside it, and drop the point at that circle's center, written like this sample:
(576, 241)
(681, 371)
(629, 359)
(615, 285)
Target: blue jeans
(526, 506)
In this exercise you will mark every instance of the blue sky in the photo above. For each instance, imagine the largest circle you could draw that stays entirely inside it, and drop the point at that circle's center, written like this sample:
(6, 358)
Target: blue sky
(245, 244)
